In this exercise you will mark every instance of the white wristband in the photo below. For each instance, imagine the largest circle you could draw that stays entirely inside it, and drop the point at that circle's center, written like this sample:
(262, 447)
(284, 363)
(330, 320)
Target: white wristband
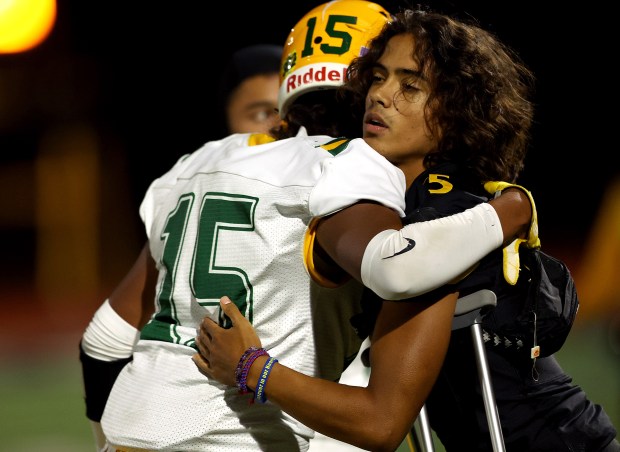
(427, 255)
(108, 336)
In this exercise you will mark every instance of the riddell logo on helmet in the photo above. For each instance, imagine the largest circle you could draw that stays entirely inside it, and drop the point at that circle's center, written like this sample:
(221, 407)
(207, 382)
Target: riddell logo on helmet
(316, 74)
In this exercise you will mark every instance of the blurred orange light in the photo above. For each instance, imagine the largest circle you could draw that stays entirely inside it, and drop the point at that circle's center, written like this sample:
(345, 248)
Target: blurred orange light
(25, 23)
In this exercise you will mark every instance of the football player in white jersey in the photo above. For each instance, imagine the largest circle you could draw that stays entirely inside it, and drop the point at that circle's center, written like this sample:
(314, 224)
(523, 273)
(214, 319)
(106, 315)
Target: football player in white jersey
(239, 217)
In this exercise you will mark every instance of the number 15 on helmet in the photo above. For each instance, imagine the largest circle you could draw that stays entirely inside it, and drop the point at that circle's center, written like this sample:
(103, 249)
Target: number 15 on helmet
(323, 43)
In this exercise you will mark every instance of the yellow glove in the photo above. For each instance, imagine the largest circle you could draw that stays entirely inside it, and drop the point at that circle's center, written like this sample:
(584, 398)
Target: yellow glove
(511, 252)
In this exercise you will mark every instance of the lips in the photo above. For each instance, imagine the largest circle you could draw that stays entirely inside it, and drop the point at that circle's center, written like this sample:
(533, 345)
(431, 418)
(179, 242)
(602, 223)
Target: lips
(373, 123)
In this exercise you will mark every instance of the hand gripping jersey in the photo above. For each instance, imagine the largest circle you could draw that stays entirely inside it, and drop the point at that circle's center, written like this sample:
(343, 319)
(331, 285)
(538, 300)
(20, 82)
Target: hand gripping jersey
(230, 219)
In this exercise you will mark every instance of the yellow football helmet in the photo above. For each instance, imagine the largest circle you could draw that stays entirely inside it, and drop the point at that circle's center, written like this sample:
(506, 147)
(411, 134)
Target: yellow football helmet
(323, 43)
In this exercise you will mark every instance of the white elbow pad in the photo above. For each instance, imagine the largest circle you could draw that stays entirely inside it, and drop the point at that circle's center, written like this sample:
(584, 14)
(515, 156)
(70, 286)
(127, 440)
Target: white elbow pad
(427, 255)
(108, 336)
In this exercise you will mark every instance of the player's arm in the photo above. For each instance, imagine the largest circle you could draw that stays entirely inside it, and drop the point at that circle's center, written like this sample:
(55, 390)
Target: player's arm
(108, 341)
(376, 417)
(133, 299)
(368, 241)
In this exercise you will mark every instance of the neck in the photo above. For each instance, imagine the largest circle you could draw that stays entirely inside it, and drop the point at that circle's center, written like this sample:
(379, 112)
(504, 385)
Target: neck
(412, 169)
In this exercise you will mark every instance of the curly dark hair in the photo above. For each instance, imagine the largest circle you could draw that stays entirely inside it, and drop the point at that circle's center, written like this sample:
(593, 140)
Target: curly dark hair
(323, 112)
(478, 108)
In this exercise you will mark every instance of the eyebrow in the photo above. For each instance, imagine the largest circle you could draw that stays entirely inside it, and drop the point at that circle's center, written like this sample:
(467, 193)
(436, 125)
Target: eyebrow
(261, 104)
(403, 71)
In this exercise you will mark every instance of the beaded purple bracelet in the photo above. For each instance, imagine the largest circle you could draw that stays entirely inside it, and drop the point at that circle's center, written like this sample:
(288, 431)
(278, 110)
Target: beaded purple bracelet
(241, 361)
(242, 376)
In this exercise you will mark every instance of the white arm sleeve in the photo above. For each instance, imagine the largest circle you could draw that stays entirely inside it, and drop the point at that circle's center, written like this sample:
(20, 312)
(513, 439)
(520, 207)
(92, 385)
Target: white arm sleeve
(108, 336)
(427, 255)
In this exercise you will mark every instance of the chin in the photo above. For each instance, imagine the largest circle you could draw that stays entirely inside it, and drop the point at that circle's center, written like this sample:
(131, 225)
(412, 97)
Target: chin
(376, 145)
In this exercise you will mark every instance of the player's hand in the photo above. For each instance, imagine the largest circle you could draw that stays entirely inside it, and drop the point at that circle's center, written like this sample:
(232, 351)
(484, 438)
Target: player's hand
(220, 349)
(511, 252)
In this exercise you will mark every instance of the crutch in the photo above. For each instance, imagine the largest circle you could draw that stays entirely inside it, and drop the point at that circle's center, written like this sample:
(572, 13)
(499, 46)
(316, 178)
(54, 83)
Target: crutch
(469, 312)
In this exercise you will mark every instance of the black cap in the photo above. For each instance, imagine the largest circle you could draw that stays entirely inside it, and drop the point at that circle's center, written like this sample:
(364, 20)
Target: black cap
(247, 62)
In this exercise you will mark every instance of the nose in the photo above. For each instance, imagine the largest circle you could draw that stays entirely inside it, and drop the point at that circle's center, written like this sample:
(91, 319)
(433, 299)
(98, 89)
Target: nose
(380, 94)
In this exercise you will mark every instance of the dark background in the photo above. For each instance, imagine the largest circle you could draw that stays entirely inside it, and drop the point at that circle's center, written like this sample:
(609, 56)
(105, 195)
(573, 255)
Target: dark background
(143, 75)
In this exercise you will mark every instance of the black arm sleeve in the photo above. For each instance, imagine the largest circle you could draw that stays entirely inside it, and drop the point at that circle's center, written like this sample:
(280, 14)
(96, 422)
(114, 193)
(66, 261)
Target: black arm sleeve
(99, 377)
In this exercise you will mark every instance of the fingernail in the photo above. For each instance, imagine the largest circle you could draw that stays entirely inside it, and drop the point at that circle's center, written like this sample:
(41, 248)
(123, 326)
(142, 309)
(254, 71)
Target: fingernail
(225, 300)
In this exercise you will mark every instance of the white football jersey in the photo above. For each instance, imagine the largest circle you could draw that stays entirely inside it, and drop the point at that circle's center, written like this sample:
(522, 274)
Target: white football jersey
(229, 219)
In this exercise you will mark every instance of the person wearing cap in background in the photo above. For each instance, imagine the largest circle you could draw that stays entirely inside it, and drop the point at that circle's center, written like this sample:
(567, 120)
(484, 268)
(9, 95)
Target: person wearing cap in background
(248, 90)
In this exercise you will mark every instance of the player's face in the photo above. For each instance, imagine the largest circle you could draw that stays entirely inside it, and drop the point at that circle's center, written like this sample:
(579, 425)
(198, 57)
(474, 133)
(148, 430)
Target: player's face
(394, 123)
(253, 105)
